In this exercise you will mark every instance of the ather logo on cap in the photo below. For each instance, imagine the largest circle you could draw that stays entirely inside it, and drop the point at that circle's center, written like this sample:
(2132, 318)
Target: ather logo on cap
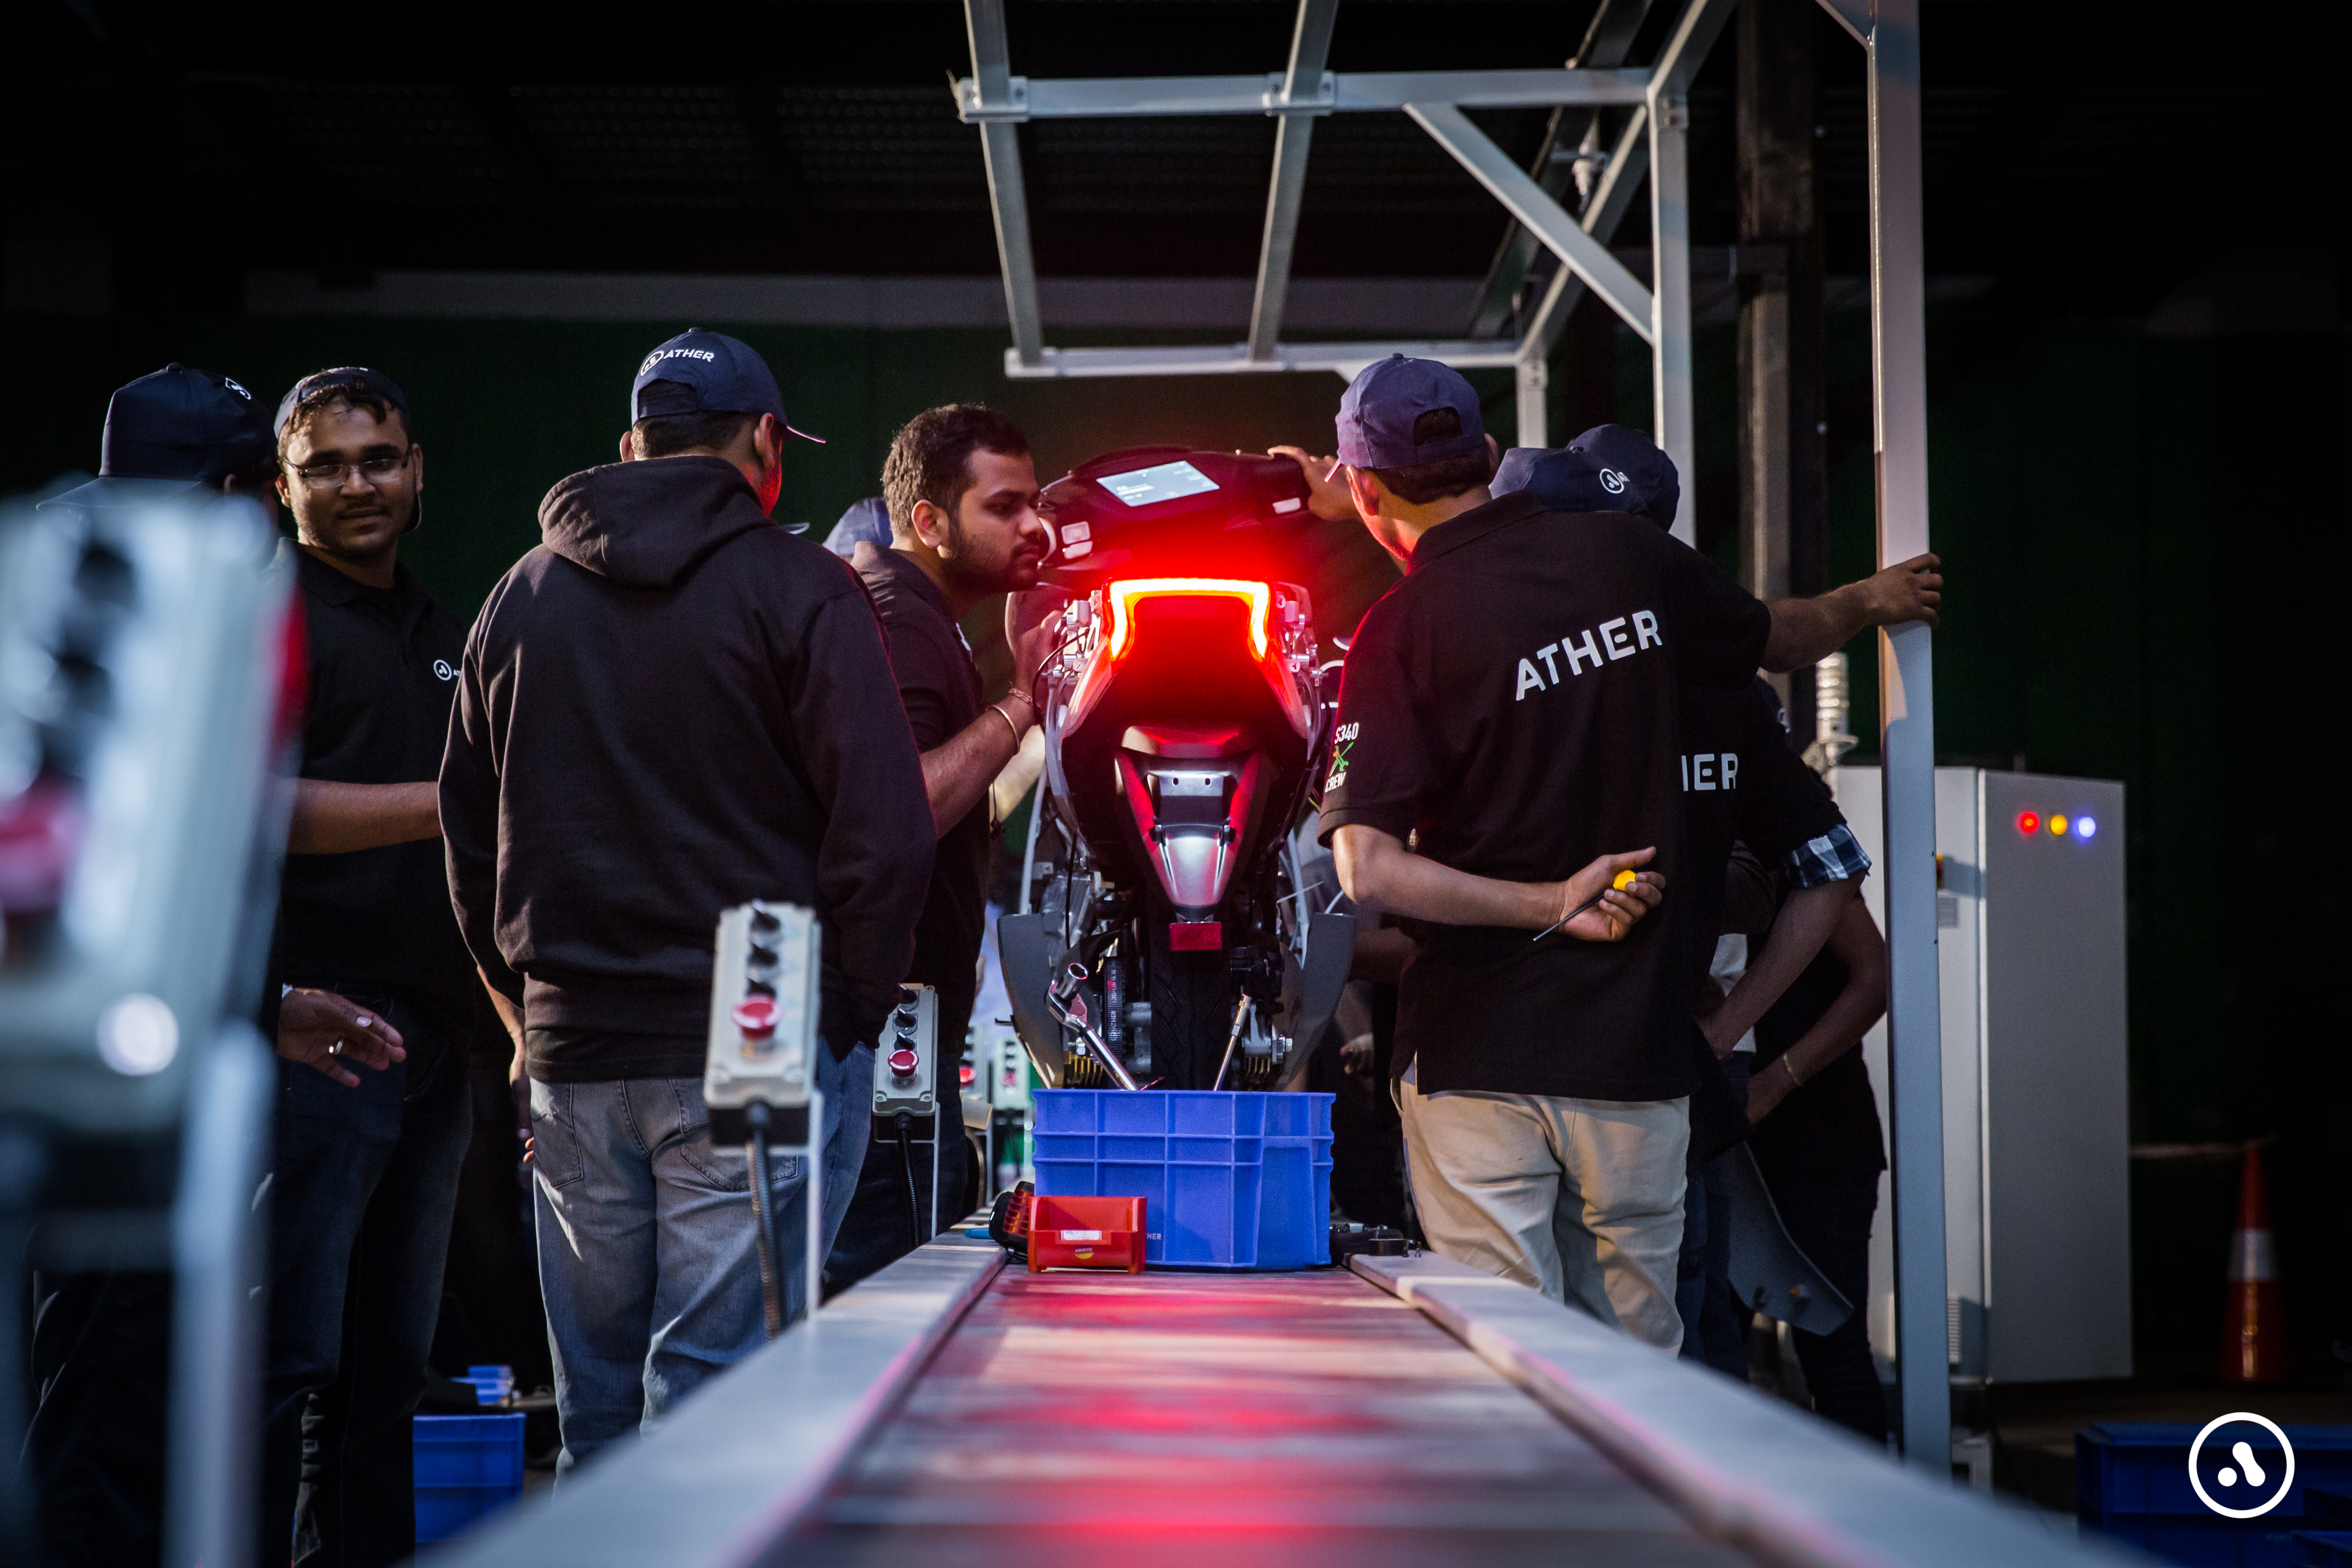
(658, 355)
(1613, 481)
(230, 382)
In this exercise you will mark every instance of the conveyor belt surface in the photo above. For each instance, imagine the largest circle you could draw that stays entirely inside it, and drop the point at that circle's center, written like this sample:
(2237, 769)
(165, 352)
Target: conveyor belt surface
(1175, 1418)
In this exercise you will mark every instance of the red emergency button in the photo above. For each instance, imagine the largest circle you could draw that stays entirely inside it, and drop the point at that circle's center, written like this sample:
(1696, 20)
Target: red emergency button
(756, 1017)
(902, 1063)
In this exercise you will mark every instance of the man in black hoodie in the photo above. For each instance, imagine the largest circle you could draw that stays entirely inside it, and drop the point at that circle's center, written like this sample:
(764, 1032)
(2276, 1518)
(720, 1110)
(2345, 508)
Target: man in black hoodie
(669, 707)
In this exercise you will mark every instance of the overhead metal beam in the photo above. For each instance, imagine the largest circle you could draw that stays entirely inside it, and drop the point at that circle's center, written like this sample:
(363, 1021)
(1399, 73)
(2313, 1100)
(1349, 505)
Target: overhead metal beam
(1607, 41)
(1612, 198)
(990, 86)
(1095, 98)
(1235, 359)
(1310, 43)
(1517, 191)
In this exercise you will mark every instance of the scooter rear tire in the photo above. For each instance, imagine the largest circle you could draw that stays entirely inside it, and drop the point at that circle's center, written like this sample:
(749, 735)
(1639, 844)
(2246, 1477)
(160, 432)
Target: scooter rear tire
(1192, 996)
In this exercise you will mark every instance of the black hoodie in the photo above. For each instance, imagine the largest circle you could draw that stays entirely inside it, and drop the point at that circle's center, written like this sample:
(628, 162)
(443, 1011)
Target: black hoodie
(670, 707)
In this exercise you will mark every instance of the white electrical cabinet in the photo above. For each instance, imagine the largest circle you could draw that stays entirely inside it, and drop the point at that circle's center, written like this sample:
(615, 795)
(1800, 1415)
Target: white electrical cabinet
(2031, 956)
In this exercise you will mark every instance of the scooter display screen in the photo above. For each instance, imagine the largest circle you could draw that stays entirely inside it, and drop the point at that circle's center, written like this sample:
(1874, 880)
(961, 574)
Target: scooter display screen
(1161, 481)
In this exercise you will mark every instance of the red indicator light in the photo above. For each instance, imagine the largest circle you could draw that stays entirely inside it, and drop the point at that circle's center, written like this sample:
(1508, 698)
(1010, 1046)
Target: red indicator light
(2029, 823)
(1124, 596)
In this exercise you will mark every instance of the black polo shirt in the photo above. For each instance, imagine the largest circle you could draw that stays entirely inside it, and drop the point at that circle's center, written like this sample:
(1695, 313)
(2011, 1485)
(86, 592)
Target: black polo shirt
(1741, 781)
(383, 672)
(1513, 702)
(939, 686)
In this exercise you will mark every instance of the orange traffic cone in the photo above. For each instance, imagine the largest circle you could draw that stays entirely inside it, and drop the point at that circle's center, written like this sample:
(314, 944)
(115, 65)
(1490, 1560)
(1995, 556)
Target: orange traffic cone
(2253, 1318)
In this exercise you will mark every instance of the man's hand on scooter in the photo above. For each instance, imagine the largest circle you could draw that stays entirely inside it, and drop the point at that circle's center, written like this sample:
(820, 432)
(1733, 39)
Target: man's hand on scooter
(1032, 623)
(1326, 484)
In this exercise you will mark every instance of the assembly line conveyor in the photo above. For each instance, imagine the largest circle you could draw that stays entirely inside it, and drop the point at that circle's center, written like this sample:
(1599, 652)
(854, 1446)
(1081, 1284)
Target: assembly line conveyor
(954, 1411)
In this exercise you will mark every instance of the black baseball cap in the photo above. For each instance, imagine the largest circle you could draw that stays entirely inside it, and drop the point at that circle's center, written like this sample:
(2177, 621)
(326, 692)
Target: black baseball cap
(708, 373)
(1633, 471)
(172, 432)
(1382, 405)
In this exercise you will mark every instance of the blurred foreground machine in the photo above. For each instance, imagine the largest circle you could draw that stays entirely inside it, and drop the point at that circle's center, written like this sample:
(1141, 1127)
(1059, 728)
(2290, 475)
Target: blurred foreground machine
(150, 671)
(2037, 1200)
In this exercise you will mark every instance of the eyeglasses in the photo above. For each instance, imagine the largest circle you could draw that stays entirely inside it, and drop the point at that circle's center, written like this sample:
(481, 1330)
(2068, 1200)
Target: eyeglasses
(331, 476)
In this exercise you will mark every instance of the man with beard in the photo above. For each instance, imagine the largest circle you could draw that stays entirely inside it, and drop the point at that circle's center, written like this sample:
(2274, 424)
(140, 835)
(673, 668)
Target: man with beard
(961, 491)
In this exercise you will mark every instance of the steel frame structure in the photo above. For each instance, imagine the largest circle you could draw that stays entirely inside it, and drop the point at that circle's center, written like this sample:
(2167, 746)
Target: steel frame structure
(1652, 143)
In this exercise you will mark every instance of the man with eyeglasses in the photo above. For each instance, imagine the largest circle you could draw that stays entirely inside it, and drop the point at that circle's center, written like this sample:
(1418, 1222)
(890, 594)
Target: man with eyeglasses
(366, 1162)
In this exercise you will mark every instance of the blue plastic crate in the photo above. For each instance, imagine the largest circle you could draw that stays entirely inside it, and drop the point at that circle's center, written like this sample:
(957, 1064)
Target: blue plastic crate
(1229, 1181)
(465, 1467)
(2131, 1482)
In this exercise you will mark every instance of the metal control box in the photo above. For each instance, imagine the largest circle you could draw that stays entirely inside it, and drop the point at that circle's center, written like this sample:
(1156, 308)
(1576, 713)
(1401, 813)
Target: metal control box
(906, 1056)
(2031, 964)
(764, 982)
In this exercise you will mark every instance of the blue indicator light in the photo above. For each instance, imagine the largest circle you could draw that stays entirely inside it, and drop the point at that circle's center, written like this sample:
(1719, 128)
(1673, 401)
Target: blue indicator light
(2085, 826)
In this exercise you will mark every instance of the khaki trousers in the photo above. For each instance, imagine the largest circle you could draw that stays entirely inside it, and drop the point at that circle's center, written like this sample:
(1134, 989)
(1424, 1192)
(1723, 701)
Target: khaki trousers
(1582, 1199)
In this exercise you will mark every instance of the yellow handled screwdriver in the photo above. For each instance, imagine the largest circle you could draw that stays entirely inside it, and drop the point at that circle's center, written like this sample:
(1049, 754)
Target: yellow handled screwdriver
(1617, 884)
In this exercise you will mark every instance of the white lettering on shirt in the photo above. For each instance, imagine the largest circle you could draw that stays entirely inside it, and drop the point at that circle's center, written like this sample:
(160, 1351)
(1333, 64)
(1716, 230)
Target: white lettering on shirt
(1710, 771)
(1584, 648)
(1575, 660)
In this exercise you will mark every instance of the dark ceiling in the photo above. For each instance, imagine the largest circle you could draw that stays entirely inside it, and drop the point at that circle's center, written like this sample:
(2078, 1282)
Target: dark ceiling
(2085, 153)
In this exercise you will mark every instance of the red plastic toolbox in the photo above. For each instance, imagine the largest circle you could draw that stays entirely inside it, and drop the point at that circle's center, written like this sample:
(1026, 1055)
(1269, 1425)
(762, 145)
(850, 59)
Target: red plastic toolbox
(1085, 1233)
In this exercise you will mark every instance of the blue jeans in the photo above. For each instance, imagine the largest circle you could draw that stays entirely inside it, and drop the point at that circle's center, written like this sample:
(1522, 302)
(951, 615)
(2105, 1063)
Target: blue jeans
(1714, 1326)
(360, 1195)
(647, 1254)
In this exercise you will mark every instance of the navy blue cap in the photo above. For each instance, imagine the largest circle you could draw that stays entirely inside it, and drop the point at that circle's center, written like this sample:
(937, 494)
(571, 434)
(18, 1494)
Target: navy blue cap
(1377, 416)
(1560, 479)
(176, 430)
(1631, 469)
(348, 378)
(708, 373)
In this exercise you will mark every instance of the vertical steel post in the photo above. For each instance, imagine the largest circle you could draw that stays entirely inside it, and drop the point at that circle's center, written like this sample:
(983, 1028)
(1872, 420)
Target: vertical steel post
(1534, 378)
(1008, 196)
(1898, 352)
(1310, 43)
(1670, 298)
(216, 1243)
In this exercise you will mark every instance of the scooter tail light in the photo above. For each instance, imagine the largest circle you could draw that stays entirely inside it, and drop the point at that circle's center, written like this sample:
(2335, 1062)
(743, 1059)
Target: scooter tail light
(1258, 598)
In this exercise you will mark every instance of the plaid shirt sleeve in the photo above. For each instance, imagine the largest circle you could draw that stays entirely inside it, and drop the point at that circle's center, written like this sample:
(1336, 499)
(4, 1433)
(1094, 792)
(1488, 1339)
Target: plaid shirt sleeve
(1832, 858)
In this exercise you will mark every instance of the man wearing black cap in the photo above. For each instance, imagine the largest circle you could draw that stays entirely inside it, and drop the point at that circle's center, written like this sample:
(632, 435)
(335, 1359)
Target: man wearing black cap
(669, 707)
(365, 1171)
